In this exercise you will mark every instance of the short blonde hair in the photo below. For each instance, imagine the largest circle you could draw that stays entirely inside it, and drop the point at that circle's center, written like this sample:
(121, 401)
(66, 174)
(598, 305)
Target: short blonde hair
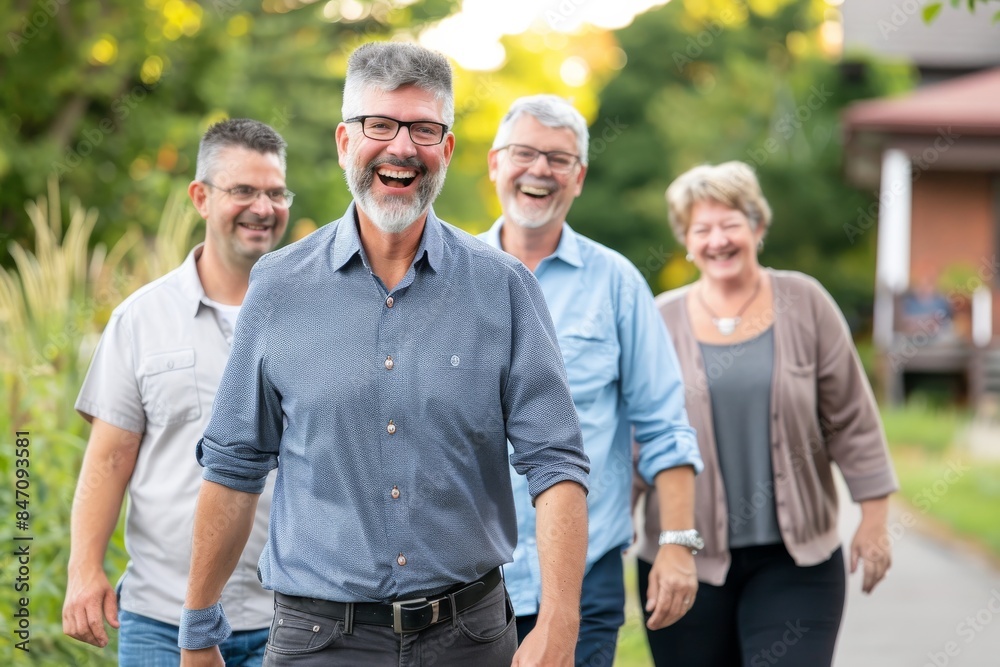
(733, 184)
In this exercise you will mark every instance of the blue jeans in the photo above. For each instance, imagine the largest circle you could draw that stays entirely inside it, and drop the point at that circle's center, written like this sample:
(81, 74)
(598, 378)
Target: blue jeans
(602, 613)
(146, 642)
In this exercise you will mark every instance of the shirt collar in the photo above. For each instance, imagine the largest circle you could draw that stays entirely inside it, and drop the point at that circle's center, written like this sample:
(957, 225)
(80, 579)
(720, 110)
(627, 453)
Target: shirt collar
(348, 243)
(568, 249)
(190, 281)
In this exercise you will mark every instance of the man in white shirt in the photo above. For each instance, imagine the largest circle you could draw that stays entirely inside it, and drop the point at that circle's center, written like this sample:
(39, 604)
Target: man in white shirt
(148, 396)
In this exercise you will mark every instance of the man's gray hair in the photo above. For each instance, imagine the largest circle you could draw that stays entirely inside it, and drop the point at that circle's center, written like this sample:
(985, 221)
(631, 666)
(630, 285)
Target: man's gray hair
(242, 132)
(391, 65)
(551, 111)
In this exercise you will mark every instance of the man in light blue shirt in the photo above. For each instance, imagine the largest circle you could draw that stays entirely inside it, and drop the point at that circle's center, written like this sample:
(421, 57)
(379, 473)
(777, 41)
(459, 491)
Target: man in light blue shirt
(622, 369)
(382, 364)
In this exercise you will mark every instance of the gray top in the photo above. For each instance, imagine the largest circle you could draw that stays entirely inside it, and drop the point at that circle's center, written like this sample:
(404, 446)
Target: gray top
(739, 381)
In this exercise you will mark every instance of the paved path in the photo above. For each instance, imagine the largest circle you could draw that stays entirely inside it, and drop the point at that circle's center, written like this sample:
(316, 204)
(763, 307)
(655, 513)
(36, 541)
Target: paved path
(939, 606)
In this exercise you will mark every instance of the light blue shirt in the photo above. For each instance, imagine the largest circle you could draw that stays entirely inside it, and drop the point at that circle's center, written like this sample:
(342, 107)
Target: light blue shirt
(388, 414)
(623, 373)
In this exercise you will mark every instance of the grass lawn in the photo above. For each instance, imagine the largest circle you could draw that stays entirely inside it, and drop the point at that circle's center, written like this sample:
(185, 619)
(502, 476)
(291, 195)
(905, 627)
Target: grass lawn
(937, 476)
(632, 649)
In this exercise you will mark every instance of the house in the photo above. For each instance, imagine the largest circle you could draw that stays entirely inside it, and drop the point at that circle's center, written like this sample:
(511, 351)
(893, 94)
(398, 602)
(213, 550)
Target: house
(933, 158)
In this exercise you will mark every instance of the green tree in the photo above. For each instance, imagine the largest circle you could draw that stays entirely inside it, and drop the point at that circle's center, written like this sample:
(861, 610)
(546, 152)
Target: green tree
(744, 82)
(113, 96)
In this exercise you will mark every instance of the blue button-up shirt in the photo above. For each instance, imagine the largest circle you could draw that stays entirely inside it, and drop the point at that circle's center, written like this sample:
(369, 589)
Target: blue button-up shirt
(623, 373)
(387, 413)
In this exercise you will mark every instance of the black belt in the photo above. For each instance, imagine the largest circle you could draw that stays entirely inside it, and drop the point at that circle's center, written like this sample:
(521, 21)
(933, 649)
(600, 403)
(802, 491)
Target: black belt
(403, 616)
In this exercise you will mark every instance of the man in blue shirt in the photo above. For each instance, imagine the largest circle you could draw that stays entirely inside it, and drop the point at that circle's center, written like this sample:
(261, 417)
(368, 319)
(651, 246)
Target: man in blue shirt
(382, 364)
(622, 369)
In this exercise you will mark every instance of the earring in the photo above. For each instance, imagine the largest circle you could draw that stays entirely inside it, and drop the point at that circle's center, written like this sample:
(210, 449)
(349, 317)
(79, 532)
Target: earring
(689, 257)
(760, 245)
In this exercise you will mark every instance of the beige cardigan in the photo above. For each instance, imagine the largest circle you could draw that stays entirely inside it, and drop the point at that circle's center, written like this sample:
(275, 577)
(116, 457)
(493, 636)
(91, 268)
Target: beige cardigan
(822, 409)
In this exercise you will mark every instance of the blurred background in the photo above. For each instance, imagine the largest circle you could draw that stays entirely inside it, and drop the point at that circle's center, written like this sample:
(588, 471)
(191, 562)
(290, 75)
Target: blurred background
(873, 126)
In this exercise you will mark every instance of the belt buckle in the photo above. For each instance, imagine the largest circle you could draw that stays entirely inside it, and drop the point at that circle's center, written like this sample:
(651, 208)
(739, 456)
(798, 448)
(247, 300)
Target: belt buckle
(398, 608)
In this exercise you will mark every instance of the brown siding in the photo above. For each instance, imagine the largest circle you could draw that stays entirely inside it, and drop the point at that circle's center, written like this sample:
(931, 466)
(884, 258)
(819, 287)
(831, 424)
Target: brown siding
(953, 221)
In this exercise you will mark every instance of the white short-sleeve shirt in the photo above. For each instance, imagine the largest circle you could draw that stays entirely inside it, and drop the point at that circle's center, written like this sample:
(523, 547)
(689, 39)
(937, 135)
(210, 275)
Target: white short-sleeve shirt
(155, 372)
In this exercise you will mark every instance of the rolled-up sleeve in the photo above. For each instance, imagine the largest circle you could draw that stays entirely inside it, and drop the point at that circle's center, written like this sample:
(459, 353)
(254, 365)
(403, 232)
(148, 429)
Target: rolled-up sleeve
(241, 442)
(541, 421)
(652, 386)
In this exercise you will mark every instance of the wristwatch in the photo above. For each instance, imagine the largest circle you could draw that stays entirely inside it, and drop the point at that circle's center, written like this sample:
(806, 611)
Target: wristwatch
(686, 538)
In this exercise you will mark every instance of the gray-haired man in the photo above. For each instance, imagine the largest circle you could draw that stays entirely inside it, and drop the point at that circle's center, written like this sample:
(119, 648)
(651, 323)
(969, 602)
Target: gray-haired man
(382, 364)
(623, 374)
(148, 395)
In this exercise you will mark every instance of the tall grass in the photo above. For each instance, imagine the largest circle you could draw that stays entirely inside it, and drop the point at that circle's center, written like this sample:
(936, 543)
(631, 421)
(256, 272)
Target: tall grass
(53, 306)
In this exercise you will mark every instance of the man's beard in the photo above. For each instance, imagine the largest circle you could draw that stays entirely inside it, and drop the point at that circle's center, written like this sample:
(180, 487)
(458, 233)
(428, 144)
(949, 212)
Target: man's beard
(393, 213)
(538, 218)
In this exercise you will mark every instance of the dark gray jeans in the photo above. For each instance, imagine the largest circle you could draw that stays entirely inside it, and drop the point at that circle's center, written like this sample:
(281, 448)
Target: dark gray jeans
(483, 635)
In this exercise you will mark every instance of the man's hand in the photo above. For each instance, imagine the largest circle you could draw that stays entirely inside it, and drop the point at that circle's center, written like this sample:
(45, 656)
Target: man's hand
(205, 657)
(89, 600)
(107, 468)
(871, 543)
(549, 643)
(673, 583)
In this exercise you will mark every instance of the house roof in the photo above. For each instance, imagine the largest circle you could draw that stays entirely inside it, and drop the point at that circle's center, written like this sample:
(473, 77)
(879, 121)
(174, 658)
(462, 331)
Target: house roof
(969, 105)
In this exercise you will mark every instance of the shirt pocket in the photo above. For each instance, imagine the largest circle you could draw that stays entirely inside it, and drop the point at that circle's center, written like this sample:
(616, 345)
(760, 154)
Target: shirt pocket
(170, 387)
(592, 364)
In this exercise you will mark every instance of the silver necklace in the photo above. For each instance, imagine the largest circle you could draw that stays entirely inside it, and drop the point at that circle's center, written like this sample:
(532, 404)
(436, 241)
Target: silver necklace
(727, 325)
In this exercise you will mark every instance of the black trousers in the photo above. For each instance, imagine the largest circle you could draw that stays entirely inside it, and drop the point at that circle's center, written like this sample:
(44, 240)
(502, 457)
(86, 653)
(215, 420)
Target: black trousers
(768, 612)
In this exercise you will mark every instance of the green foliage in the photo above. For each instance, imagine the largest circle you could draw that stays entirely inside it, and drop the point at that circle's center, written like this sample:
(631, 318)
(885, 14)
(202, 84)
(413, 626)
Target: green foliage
(918, 425)
(734, 84)
(52, 310)
(114, 96)
(937, 476)
(962, 494)
(931, 10)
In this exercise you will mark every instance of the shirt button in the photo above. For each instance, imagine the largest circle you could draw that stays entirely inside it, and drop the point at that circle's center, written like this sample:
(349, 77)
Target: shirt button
(389, 301)
(401, 559)
(170, 364)
(389, 363)
(391, 428)
(395, 492)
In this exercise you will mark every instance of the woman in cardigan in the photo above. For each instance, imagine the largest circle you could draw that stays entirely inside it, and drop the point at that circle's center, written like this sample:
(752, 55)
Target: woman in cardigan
(776, 393)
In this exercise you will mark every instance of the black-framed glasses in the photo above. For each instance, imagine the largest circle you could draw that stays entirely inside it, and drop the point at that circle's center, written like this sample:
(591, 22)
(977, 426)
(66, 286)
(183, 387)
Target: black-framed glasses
(244, 195)
(382, 128)
(560, 162)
